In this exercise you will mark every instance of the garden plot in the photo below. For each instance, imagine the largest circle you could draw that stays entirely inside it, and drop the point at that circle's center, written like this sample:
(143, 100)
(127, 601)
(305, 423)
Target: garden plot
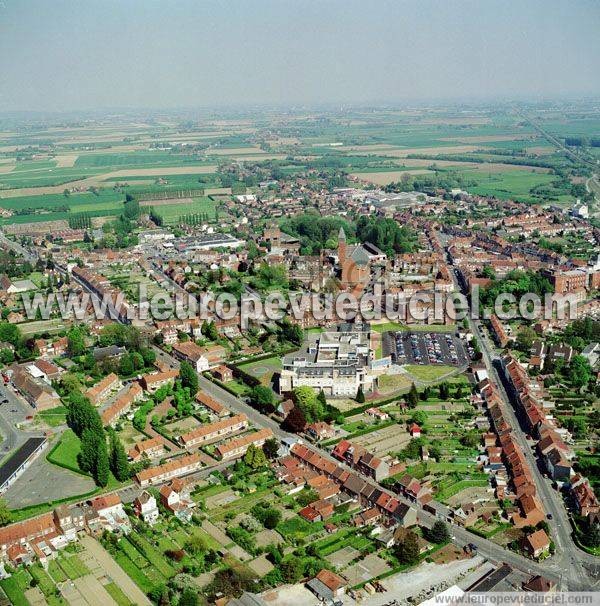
(368, 568)
(342, 557)
(261, 566)
(182, 426)
(473, 494)
(223, 498)
(383, 441)
(268, 537)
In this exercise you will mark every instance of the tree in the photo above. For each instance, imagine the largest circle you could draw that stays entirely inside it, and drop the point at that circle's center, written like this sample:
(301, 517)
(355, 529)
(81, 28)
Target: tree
(525, 338)
(360, 395)
(267, 515)
(75, 342)
(189, 377)
(148, 355)
(592, 536)
(407, 551)
(209, 330)
(7, 356)
(189, 597)
(292, 569)
(470, 440)
(119, 464)
(262, 399)
(295, 421)
(439, 533)
(444, 391)
(126, 367)
(196, 545)
(579, 372)
(270, 448)
(255, 457)
(102, 466)
(308, 403)
(5, 513)
(419, 417)
(412, 398)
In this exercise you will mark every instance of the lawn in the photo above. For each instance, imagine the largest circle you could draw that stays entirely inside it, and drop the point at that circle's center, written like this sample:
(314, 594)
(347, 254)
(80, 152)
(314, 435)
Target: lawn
(298, 528)
(448, 490)
(64, 453)
(396, 327)
(73, 567)
(46, 584)
(15, 586)
(428, 373)
(53, 416)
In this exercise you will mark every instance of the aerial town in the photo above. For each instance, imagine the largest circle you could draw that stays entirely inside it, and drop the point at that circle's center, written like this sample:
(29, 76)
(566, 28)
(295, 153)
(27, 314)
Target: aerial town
(420, 420)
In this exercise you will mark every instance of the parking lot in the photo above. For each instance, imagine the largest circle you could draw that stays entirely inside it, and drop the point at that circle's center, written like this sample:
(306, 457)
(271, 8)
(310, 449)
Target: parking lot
(425, 348)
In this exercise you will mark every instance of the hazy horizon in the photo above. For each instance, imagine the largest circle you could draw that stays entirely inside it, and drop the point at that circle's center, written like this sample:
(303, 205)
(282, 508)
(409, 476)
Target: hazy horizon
(68, 56)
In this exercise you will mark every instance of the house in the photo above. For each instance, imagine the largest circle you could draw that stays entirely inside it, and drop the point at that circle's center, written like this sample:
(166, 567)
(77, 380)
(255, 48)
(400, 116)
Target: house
(558, 466)
(175, 498)
(37, 392)
(327, 585)
(368, 517)
(374, 467)
(559, 352)
(211, 404)
(222, 373)
(376, 413)
(405, 515)
(415, 431)
(151, 449)
(584, 497)
(100, 392)
(238, 446)
(122, 405)
(320, 431)
(188, 351)
(145, 507)
(23, 532)
(154, 381)
(537, 543)
(284, 408)
(214, 431)
(539, 584)
(70, 520)
(109, 509)
(48, 371)
(169, 470)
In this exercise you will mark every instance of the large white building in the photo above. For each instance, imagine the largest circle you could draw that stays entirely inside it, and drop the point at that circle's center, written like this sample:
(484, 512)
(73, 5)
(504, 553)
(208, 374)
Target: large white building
(338, 362)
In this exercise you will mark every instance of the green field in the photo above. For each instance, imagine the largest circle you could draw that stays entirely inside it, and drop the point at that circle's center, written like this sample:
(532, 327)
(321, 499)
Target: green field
(65, 452)
(171, 213)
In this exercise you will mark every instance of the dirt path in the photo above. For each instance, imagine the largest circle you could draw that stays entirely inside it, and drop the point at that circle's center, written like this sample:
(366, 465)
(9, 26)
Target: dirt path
(114, 571)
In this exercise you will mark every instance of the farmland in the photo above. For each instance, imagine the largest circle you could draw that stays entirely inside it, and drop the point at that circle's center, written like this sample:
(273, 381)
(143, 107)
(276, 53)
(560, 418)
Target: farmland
(88, 169)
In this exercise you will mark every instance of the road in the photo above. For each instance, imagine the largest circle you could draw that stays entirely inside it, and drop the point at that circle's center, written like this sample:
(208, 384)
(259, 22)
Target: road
(20, 250)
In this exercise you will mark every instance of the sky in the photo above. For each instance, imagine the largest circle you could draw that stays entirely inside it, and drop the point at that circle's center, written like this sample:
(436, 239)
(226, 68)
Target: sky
(63, 55)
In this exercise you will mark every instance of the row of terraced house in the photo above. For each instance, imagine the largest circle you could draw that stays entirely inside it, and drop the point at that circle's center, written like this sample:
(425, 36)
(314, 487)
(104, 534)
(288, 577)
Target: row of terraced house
(551, 446)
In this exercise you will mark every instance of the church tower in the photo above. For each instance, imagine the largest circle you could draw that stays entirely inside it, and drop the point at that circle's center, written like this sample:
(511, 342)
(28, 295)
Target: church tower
(342, 246)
